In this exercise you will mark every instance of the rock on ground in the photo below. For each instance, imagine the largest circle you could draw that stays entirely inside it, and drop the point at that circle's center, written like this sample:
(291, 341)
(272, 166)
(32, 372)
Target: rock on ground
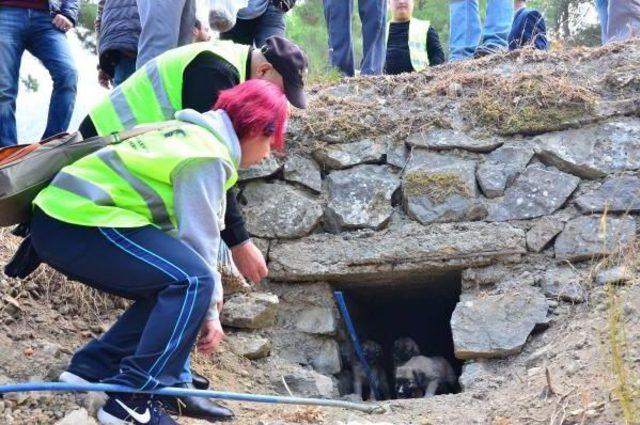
(440, 188)
(496, 325)
(77, 417)
(302, 382)
(587, 237)
(266, 168)
(250, 346)
(360, 197)
(276, 210)
(535, 193)
(615, 275)
(564, 283)
(250, 311)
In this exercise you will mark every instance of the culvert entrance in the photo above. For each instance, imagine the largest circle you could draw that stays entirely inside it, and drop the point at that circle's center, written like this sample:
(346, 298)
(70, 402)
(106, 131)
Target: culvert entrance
(385, 316)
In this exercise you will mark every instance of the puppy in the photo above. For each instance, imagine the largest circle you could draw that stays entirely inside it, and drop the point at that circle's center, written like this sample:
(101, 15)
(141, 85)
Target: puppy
(403, 350)
(361, 385)
(422, 376)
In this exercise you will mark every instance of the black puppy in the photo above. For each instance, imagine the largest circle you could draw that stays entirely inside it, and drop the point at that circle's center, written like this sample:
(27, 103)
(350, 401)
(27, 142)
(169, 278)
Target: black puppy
(404, 349)
(375, 358)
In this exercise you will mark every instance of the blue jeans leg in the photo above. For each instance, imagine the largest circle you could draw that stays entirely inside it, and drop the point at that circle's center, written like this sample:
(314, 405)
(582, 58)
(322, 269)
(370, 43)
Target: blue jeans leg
(50, 45)
(497, 24)
(373, 14)
(269, 24)
(123, 69)
(337, 14)
(465, 29)
(602, 6)
(161, 27)
(14, 23)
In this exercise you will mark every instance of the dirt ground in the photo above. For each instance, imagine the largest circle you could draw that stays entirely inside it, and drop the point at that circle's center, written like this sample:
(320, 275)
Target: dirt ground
(564, 375)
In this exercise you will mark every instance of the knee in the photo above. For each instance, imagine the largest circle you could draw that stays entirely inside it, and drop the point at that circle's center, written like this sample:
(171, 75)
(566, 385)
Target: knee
(66, 76)
(203, 282)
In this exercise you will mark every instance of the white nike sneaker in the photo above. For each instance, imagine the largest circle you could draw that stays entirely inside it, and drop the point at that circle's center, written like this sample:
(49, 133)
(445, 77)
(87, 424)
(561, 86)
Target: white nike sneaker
(138, 409)
(72, 378)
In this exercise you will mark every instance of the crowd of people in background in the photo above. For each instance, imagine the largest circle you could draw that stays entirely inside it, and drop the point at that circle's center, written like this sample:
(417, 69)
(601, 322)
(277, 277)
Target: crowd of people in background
(132, 32)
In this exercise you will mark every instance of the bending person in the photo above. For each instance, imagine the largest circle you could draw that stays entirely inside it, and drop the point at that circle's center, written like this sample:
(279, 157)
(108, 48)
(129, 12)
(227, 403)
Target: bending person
(142, 219)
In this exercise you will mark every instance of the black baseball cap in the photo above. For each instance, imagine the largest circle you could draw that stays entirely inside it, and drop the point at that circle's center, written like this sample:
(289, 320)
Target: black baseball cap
(290, 62)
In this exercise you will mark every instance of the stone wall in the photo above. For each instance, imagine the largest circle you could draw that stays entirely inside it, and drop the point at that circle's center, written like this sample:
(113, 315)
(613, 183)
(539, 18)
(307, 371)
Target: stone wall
(389, 205)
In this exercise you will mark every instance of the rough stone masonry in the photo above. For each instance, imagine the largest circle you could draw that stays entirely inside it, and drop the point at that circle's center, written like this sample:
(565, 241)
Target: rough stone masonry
(390, 179)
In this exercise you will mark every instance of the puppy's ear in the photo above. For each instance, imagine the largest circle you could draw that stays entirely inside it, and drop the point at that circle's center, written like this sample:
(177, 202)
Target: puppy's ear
(420, 378)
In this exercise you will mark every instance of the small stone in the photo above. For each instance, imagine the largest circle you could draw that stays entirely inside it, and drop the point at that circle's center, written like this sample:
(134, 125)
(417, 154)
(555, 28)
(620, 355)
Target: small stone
(446, 139)
(92, 402)
(614, 276)
(501, 168)
(586, 237)
(250, 311)
(77, 417)
(317, 320)
(496, 325)
(360, 197)
(542, 233)
(303, 383)
(535, 193)
(565, 284)
(304, 171)
(618, 194)
(253, 347)
(266, 168)
(327, 360)
(336, 157)
(397, 154)
(472, 375)
(276, 210)
(440, 188)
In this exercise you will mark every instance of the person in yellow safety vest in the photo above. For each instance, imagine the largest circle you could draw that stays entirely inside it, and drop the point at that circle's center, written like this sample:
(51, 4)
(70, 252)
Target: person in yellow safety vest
(412, 44)
(142, 219)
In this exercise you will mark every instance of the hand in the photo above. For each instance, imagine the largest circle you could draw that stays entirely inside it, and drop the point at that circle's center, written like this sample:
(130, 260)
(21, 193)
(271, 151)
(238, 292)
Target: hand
(62, 23)
(250, 261)
(211, 335)
(104, 79)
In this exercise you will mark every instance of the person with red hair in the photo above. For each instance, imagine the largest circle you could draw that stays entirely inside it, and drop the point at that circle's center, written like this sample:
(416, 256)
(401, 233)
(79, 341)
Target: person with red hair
(142, 219)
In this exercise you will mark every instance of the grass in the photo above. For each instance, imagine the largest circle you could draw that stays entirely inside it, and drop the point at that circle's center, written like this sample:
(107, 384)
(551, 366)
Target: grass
(437, 186)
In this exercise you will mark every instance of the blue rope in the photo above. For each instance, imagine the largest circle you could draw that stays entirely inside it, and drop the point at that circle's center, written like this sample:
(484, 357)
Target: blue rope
(187, 392)
(342, 305)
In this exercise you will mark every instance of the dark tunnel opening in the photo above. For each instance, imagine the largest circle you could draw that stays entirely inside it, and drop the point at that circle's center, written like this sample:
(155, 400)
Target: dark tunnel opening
(420, 309)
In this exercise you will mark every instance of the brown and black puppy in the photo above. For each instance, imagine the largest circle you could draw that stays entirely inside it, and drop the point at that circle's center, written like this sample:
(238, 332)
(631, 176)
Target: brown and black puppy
(361, 385)
(422, 376)
(403, 350)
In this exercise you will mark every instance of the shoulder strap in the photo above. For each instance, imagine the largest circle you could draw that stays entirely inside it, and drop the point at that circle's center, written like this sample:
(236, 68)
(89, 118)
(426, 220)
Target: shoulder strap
(117, 137)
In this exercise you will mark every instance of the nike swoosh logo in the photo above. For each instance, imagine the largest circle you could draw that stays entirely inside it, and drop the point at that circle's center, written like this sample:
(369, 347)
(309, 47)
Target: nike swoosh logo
(143, 418)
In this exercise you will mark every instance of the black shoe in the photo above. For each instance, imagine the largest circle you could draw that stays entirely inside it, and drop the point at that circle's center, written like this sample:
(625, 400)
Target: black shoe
(123, 409)
(487, 50)
(199, 381)
(195, 407)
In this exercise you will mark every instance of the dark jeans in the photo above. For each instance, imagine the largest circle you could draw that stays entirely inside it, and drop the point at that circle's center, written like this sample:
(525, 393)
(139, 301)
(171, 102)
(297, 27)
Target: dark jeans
(373, 15)
(32, 30)
(149, 344)
(256, 31)
(123, 69)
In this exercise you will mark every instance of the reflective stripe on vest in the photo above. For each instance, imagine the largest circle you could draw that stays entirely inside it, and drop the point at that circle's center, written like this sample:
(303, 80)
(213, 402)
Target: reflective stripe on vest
(154, 92)
(418, 30)
(130, 184)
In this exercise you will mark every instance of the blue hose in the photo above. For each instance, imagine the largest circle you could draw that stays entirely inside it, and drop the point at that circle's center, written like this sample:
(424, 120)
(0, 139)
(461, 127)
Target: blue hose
(182, 392)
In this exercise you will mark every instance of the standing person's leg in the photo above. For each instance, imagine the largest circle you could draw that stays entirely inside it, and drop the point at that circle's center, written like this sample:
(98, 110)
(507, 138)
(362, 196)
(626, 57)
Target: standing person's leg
(124, 68)
(187, 22)
(497, 24)
(14, 24)
(373, 15)
(624, 20)
(144, 264)
(602, 6)
(269, 24)
(50, 45)
(337, 14)
(465, 29)
(160, 21)
(242, 32)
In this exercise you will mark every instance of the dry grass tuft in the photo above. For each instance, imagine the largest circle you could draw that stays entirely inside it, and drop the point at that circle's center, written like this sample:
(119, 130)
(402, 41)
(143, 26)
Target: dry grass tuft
(437, 186)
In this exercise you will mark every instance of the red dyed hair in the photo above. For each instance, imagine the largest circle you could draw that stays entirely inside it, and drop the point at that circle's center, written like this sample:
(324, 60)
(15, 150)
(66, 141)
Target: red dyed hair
(256, 108)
